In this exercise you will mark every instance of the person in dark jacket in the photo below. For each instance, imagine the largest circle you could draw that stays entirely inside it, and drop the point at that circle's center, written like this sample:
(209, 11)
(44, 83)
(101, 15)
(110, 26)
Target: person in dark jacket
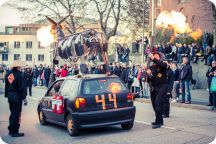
(117, 70)
(41, 69)
(29, 75)
(35, 75)
(185, 77)
(47, 72)
(179, 53)
(159, 84)
(123, 73)
(175, 91)
(131, 73)
(170, 78)
(15, 91)
(209, 75)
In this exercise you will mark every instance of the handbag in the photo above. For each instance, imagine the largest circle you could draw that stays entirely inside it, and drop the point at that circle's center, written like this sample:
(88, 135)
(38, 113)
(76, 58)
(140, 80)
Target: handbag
(213, 84)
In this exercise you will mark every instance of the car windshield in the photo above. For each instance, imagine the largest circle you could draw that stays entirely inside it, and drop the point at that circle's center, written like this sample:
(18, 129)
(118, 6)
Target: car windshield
(98, 86)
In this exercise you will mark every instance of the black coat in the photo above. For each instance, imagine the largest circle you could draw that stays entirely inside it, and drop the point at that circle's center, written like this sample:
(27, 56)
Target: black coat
(123, 75)
(159, 73)
(186, 73)
(14, 83)
(47, 73)
(117, 71)
(212, 69)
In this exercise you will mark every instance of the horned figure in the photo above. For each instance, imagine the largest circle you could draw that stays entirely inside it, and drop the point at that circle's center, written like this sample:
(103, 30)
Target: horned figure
(88, 44)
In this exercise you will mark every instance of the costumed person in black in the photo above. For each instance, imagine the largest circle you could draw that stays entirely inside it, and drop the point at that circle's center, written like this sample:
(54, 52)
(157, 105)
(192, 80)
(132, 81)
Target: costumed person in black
(170, 78)
(16, 92)
(157, 77)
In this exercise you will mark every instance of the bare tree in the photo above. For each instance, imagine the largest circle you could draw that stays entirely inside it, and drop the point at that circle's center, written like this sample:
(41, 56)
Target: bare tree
(135, 9)
(32, 10)
(109, 14)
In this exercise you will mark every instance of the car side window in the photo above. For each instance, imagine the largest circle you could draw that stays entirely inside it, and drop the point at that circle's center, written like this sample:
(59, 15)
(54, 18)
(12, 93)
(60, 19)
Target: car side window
(69, 88)
(55, 88)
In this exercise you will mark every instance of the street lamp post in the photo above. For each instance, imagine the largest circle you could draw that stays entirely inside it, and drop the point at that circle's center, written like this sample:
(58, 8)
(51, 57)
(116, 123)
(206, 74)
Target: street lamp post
(143, 32)
(152, 26)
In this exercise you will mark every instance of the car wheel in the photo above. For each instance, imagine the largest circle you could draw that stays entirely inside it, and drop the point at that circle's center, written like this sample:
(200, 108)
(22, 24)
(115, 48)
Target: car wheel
(128, 125)
(71, 126)
(42, 118)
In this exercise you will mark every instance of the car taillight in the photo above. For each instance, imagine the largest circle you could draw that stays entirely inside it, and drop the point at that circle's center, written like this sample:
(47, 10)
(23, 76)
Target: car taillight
(80, 103)
(129, 97)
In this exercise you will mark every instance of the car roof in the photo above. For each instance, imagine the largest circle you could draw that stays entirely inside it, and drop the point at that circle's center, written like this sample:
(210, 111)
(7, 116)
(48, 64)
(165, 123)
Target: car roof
(87, 76)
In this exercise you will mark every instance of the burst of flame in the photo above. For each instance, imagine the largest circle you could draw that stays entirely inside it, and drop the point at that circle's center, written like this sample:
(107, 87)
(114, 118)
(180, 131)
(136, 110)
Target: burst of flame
(45, 35)
(196, 34)
(176, 20)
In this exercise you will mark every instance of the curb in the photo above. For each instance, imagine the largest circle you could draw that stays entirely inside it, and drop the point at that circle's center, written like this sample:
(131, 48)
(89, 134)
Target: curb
(187, 106)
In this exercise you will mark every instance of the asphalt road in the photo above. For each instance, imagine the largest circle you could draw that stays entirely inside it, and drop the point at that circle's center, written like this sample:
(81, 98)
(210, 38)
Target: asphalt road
(184, 126)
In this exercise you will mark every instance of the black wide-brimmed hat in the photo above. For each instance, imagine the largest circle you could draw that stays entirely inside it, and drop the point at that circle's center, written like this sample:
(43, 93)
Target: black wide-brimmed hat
(162, 56)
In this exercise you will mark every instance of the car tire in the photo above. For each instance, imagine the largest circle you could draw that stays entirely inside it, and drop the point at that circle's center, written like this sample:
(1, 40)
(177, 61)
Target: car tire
(42, 118)
(71, 126)
(128, 125)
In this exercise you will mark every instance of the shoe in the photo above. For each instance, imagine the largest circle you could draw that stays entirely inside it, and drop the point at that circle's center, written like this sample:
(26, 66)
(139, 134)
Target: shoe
(188, 102)
(182, 102)
(156, 126)
(174, 101)
(16, 134)
(165, 116)
(210, 105)
(154, 123)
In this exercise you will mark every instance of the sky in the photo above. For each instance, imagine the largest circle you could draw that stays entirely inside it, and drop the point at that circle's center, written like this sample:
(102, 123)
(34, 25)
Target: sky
(8, 16)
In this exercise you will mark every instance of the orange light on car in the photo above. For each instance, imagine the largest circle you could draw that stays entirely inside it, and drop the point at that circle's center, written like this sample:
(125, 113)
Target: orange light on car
(115, 87)
(80, 103)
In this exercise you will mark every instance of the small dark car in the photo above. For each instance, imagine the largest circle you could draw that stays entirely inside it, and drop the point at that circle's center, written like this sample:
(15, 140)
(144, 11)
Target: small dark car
(87, 101)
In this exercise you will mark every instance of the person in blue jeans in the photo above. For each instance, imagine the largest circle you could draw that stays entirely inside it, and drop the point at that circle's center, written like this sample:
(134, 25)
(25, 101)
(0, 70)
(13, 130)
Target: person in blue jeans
(185, 77)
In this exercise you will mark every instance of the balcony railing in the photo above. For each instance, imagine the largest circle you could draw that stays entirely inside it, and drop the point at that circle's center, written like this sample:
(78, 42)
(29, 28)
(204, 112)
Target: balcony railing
(4, 50)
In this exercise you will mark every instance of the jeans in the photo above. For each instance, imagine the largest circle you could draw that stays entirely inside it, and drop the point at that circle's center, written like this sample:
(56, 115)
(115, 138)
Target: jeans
(175, 90)
(186, 87)
(35, 81)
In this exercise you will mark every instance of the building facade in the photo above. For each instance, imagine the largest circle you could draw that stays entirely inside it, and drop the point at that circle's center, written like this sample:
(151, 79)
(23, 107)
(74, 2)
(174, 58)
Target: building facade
(198, 13)
(21, 43)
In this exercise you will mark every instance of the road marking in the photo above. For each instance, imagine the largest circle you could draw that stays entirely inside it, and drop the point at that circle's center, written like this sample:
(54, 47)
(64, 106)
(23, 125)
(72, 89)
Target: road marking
(1, 141)
(150, 124)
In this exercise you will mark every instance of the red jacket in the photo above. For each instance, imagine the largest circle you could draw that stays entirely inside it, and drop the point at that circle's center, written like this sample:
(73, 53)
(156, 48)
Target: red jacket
(64, 72)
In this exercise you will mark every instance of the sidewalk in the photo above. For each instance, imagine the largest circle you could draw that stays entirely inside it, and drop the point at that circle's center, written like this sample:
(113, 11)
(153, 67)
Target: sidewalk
(200, 99)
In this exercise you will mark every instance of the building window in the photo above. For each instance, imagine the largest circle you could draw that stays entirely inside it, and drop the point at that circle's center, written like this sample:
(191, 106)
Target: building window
(4, 57)
(40, 57)
(16, 44)
(159, 3)
(29, 57)
(6, 44)
(29, 44)
(16, 56)
(39, 45)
